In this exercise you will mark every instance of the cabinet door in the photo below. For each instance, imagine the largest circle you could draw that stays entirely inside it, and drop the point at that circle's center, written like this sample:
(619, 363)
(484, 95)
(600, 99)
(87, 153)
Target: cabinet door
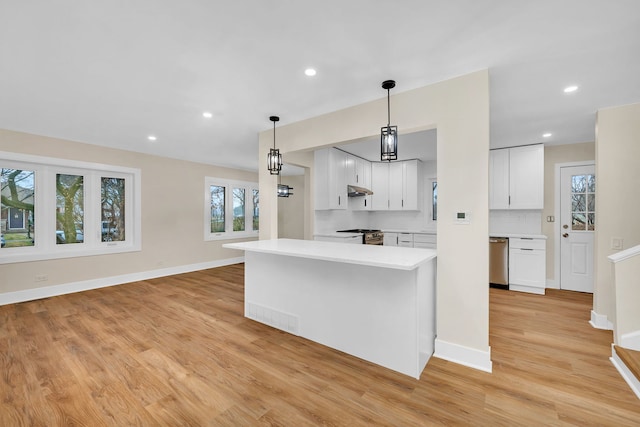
(330, 179)
(380, 186)
(526, 177)
(363, 179)
(351, 169)
(410, 185)
(499, 179)
(390, 239)
(337, 179)
(396, 185)
(527, 267)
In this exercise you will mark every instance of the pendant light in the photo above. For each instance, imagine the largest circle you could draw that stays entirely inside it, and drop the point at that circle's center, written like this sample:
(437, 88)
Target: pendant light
(274, 158)
(284, 190)
(388, 133)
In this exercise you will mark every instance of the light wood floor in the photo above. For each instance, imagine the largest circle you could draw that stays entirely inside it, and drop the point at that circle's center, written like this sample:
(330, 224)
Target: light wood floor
(177, 351)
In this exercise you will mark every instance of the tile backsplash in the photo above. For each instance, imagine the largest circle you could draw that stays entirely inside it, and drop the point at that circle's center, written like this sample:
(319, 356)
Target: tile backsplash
(515, 222)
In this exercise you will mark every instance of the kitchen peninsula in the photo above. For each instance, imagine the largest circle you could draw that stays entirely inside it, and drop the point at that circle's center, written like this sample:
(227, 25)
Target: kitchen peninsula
(373, 302)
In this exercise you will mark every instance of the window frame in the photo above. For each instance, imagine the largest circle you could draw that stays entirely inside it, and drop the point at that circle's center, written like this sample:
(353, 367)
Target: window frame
(229, 185)
(45, 247)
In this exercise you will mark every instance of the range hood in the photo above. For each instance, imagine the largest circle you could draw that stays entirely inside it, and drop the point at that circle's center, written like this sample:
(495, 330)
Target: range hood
(355, 191)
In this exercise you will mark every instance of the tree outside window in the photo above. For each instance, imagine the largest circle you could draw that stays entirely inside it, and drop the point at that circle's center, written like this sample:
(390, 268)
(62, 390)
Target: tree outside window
(238, 209)
(113, 209)
(69, 209)
(17, 192)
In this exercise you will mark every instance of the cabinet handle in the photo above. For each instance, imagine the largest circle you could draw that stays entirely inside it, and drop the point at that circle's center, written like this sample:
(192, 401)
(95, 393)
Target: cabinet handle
(357, 178)
(402, 204)
(525, 249)
(509, 200)
(365, 203)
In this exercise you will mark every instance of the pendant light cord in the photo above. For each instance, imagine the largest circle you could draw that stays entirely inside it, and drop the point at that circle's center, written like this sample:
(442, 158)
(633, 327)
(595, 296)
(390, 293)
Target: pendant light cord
(388, 109)
(274, 135)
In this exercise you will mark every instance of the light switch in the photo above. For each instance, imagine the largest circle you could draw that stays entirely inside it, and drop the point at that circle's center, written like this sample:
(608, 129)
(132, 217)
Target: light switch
(551, 218)
(616, 243)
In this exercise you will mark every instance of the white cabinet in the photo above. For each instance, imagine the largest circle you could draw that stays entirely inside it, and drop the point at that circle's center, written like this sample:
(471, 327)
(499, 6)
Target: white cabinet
(405, 240)
(527, 265)
(390, 239)
(380, 186)
(396, 185)
(516, 177)
(330, 179)
(359, 173)
(426, 241)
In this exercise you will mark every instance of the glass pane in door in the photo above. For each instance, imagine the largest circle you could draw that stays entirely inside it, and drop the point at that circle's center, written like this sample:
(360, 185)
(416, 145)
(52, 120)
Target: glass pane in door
(583, 202)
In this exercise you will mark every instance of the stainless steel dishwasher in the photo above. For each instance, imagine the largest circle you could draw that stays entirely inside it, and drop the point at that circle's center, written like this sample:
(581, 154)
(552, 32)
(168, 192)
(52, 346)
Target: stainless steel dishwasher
(499, 262)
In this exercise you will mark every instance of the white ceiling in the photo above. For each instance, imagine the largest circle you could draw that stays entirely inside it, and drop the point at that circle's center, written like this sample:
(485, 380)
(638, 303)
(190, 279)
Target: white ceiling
(113, 72)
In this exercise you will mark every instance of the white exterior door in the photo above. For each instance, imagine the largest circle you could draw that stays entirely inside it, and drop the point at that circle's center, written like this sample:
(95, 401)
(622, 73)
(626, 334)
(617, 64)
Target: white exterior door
(577, 225)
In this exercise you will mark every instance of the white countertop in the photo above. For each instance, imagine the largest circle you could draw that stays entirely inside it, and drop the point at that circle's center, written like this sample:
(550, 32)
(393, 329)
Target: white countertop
(337, 234)
(522, 236)
(390, 230)
(376, 256)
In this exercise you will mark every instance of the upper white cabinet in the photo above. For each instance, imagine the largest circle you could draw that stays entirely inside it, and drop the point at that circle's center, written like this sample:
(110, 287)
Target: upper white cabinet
(516, 177)
(396, 185)
(359, 173)
(330, 176)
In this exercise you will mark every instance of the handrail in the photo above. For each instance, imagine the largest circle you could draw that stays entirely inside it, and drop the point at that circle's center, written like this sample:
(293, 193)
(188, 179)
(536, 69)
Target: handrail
(622, 255)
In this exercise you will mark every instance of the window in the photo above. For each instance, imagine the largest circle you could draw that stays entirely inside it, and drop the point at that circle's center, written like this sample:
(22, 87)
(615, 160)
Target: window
(583, 202)
(55, 208)
(17, 187)
(256, 210)
(234, 200)
(434, 200)
(69, 209)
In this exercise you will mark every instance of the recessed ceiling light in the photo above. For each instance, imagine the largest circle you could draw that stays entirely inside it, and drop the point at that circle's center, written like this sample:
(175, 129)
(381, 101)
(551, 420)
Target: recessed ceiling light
(151, 138)
(546, 135)
(570, 89)
(310, 72)
(207, 114)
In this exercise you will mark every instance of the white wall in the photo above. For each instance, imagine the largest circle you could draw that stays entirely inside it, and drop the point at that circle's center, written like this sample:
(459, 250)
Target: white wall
(617, 203)
(291, 209)
(459, 109)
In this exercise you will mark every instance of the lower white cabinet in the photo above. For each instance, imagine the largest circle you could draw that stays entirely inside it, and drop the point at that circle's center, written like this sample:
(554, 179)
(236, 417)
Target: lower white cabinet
(426, 241)
(527, 265)
(390, 239)
(410, 240)
(405, 240)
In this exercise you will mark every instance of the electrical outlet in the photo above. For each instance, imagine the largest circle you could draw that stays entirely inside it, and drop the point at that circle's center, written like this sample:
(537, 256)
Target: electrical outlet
(41, 278)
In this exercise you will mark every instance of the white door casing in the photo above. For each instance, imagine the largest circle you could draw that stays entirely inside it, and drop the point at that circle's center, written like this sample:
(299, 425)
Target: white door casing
(577, 225)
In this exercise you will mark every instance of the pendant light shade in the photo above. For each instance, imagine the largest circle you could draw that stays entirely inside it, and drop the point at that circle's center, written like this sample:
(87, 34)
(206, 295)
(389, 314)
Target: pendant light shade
(284, 190)
(388, 133)
(274, 158)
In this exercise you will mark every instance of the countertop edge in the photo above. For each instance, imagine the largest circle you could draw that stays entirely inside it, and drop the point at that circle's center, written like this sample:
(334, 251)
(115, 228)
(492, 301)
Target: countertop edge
(246, 246)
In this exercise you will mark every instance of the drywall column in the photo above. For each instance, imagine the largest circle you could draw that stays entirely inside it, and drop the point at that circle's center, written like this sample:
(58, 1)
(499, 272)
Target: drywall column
(617, 178)
(459, 109)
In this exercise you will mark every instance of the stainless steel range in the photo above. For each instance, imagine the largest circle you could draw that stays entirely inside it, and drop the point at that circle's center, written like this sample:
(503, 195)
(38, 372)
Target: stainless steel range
(369, 237)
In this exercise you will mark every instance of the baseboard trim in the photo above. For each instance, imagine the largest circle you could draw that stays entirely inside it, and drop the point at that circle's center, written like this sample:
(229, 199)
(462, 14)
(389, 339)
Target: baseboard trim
(626, 374)
(600, 321)
(103, 282)
(462, 355)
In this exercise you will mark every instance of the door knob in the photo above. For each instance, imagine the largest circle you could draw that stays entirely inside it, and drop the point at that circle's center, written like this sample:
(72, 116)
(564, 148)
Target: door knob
(565, 235)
